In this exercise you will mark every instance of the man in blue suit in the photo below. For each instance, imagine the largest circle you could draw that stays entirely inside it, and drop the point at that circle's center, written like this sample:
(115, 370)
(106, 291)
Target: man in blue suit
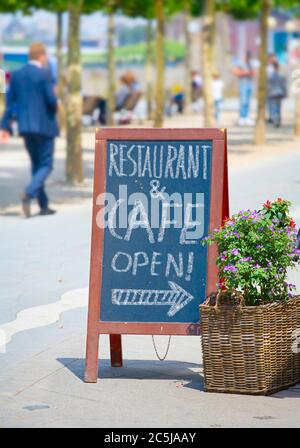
(32, 101)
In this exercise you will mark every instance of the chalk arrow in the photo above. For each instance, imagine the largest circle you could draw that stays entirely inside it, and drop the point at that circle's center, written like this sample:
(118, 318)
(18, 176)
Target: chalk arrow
(176, 297)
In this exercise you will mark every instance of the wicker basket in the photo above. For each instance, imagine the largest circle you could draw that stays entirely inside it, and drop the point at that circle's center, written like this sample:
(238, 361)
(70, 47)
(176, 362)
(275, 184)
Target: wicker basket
(251, 350)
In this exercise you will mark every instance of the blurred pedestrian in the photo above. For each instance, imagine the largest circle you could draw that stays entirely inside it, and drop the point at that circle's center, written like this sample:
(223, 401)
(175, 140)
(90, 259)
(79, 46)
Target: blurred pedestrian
(31, 95)
(129, 86)
(270, 70)
(277, 91)
(196, 85)
(245, 74)
(217, 89)
(176, 99)
(7, 80)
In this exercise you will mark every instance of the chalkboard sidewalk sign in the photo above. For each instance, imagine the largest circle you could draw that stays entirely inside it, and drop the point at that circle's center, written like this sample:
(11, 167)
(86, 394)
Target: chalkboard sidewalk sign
(157, 194)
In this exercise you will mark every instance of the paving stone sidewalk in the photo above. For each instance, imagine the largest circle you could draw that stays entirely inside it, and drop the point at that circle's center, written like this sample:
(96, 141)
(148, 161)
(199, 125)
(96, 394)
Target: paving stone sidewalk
(43, 259)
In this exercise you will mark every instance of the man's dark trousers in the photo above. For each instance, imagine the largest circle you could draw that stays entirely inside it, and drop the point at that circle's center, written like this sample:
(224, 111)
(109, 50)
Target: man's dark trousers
(41, 151)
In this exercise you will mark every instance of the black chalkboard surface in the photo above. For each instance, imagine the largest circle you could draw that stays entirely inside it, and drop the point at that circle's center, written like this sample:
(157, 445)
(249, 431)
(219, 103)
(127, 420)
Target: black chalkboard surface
(157, 212)
(157, 193)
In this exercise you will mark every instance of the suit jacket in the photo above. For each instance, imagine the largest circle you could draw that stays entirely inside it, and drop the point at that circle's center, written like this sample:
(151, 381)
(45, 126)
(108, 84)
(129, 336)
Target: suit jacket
(32, 101)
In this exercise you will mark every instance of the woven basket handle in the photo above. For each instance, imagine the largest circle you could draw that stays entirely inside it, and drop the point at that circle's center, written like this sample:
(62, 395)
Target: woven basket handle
(233, 292)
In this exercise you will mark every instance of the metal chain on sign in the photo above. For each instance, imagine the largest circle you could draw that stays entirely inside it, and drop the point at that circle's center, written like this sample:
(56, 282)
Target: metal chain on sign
(161, 358)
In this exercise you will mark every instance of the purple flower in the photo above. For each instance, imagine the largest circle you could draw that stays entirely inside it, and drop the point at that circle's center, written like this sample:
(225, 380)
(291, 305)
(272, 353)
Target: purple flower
(234, 252)
(257, 266)
(236, 234)
(297, 251)
(259, 246)
(245, 259)
(230, 223)
(290, 286)
(230, 268)
(254, 215)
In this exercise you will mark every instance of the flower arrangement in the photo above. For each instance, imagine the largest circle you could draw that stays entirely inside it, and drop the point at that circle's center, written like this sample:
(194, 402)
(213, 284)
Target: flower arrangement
(256, 248)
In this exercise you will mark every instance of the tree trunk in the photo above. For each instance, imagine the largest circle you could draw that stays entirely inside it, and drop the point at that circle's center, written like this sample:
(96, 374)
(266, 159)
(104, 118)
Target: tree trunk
(208, 48)
(160, 66)
(74, 168)
(223, 51)
(111, 102)
(260, 128)
(59, 44)
(187, 62)
(149, 68)
(60, 71)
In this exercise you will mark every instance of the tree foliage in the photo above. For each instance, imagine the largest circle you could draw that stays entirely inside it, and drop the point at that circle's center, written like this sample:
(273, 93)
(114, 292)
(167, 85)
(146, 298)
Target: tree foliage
(241, 9)
(146, 8)
(11, 6)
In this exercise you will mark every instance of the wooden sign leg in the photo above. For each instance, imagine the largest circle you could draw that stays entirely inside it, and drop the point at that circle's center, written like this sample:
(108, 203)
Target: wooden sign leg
(225, 206)
(91, 363)
(116, 358)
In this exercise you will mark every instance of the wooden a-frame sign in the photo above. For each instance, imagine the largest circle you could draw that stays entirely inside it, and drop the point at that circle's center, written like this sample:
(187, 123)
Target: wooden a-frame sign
(149, 279)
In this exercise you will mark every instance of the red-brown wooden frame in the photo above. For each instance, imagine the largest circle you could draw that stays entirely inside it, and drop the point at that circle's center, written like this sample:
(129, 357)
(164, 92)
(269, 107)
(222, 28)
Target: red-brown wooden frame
(219, 209)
